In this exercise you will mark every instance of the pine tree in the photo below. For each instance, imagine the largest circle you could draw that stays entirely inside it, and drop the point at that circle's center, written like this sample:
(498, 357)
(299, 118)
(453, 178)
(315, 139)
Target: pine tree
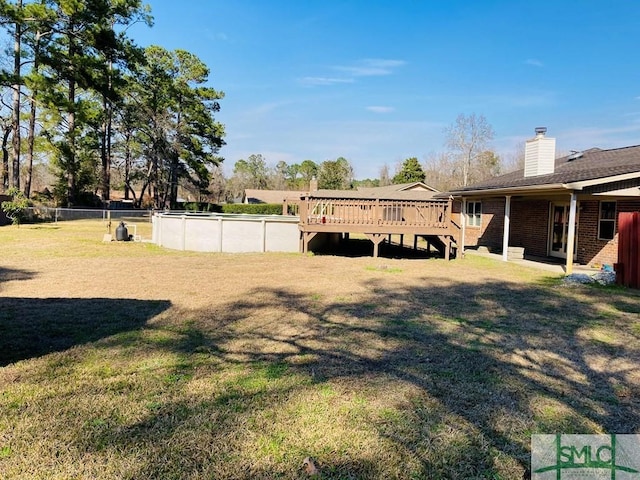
(411, 171)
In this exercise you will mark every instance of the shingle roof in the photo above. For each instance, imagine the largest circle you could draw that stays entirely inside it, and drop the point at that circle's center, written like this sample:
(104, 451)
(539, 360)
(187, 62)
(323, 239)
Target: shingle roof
(404, 191)
(592, 164)
(374, 193)
(399, 187)
(270, 196)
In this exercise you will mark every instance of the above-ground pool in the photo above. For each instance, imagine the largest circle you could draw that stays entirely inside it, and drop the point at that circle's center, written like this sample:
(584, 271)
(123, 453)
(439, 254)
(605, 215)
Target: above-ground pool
(219, 232)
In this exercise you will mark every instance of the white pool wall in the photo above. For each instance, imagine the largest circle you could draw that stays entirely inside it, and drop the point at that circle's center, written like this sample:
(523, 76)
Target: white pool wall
(232, 233)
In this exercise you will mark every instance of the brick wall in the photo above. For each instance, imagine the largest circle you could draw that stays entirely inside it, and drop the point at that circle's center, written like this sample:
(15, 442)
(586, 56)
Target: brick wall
(530, 226)
(489, 233)
(492, 227)
(592, 251)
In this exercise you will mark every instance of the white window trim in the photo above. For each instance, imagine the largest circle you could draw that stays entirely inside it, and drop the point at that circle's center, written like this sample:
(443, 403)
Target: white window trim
(476, 212)
(613, 220)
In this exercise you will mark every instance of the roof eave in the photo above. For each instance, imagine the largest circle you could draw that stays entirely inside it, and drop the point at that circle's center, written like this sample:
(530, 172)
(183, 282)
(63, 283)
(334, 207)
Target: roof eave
(600, 181)
(550, 187)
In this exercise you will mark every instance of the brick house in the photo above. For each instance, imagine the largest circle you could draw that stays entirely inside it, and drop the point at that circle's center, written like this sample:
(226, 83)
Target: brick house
(554, 206)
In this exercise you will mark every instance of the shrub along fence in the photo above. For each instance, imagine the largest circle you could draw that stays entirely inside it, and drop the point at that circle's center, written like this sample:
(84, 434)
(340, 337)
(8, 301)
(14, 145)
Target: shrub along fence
(253, 208)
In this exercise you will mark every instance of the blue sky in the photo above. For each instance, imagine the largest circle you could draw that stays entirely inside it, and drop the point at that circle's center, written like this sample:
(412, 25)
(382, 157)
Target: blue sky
(379, 81)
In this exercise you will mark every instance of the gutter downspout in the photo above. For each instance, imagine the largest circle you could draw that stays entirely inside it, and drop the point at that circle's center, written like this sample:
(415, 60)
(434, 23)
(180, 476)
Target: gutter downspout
(571, 238)
(505, 235)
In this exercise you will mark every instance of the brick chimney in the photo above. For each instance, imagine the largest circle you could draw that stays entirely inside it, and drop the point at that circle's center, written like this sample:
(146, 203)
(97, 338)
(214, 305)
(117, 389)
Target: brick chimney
(539, 154)
(313, 185)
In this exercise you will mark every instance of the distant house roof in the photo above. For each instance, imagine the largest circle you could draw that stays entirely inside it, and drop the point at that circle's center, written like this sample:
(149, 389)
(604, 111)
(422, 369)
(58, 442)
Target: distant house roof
(270, 196)
(354, 194)
(400, 187)
(404, 191)
(572, 172)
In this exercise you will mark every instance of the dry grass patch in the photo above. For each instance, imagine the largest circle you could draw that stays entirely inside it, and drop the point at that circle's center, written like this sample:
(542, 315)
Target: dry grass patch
(127, 361)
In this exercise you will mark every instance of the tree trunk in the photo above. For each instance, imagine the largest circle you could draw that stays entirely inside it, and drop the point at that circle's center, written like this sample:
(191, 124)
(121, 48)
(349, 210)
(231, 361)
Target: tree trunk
(104, 155)
(173, 183)
(71, 144)
(71, 129)
(31, 134)
(30, 143)
(105, 147)
(17, 39)
(154, 181)
(5, 157)
(127, 165)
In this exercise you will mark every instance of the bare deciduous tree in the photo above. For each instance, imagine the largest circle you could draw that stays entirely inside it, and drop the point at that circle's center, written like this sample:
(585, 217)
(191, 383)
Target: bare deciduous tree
(468, 138)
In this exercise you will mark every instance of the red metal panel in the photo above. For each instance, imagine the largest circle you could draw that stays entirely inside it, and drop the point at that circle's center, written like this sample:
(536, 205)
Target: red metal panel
(629, 249)
(635, 251)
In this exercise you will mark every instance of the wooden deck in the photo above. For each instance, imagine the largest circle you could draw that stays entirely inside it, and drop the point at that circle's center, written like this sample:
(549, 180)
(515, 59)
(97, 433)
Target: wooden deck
(377, 219)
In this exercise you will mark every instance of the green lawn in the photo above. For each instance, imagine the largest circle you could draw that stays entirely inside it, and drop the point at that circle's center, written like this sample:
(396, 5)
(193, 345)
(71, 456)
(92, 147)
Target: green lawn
(126, 361)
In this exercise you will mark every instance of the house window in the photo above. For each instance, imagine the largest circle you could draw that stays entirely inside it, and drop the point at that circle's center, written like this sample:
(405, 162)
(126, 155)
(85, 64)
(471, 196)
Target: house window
(474, 214)
(607, 221)
(393, 214)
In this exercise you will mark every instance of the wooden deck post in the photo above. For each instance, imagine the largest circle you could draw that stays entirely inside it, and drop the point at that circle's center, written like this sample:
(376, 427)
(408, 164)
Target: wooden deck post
(376, 238)
(306, 238)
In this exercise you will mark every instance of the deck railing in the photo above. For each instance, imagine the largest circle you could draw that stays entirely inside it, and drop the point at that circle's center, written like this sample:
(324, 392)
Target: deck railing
(375, 212)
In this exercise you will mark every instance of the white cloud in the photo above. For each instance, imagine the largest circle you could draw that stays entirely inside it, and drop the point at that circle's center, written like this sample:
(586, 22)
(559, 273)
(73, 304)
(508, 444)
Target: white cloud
(368, 67)
(520, 100)
(581, 138)
(216, 36)
(264, 109)
(380, 109)
(534, 62)
(371, 67)
(324, 80)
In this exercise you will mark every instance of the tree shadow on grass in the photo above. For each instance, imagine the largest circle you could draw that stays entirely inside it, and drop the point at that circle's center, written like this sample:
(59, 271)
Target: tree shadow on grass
(489, 364)
(11, 274)
(32, 327)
